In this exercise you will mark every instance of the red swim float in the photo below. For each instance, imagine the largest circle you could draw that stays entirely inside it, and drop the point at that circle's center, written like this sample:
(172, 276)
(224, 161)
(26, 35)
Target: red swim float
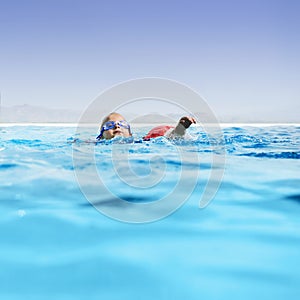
(157, 131)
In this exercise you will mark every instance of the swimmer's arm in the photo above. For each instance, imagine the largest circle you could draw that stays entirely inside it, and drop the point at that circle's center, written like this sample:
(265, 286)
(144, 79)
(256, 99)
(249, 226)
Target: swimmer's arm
(183, 124)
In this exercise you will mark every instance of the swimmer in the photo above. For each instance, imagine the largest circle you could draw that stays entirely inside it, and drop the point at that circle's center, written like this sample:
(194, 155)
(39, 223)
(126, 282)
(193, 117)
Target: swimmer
(115, 125)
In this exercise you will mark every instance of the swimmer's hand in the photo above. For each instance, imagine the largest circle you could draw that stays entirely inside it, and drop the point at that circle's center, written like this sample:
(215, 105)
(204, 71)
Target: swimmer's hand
(183, 124)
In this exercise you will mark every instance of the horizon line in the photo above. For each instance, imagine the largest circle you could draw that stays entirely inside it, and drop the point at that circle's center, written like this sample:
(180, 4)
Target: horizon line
(72, 124)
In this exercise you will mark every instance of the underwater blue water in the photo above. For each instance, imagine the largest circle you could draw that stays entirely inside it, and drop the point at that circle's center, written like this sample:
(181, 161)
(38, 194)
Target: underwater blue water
(55, 245)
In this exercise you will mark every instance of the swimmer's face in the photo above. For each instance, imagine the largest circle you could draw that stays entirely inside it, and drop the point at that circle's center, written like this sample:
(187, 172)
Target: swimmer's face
(117, 130)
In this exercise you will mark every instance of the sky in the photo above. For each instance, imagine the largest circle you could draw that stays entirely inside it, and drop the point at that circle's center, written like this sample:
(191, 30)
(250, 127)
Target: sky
(241, 56)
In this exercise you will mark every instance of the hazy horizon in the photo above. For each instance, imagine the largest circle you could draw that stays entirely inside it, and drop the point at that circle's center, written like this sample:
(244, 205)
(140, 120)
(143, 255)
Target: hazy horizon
(38, 114)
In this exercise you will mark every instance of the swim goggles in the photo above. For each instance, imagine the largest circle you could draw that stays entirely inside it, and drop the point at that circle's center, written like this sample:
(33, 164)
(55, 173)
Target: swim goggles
(111, 125)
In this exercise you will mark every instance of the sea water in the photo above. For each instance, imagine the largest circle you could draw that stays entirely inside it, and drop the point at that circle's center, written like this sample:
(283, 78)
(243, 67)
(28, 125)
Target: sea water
(54, 244)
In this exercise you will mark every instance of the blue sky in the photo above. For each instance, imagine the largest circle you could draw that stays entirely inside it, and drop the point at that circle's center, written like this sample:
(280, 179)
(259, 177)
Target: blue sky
(241, 56)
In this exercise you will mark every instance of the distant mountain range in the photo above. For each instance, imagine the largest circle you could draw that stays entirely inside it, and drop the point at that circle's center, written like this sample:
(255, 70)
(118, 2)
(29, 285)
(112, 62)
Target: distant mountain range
(37, 114)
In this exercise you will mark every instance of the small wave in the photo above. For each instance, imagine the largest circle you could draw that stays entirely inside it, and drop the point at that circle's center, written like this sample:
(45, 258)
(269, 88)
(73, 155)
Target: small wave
(285, 155)
(8, 166)
(294, 197)
(24, 141)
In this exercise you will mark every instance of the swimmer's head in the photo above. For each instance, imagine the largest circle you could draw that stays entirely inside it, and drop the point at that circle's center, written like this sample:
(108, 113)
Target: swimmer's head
(114, 125)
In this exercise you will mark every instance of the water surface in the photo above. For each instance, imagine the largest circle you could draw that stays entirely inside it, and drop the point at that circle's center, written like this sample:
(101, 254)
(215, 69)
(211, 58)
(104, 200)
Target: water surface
(243, 245)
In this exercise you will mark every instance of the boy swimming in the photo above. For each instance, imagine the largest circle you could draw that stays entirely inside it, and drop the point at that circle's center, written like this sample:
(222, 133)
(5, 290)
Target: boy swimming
(114, 125)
